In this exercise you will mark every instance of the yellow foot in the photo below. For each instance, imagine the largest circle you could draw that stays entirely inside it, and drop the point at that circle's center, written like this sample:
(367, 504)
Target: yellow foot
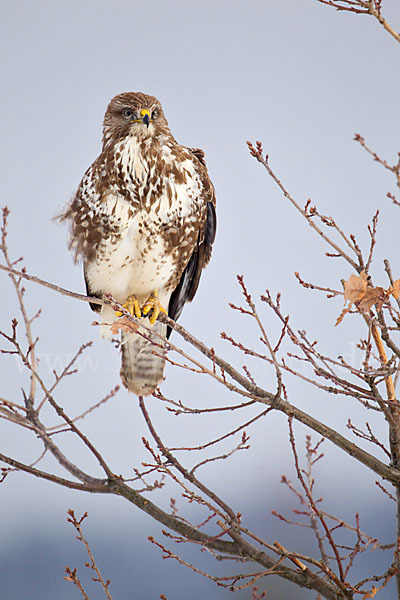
(132, 306)
(153, 305)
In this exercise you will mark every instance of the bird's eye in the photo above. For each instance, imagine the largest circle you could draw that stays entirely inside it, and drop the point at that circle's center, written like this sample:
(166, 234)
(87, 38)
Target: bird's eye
(154, 114)
(128, 113)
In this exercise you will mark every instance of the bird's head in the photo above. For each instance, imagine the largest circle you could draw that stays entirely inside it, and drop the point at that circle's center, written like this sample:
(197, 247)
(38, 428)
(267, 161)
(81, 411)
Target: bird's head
(133, 113)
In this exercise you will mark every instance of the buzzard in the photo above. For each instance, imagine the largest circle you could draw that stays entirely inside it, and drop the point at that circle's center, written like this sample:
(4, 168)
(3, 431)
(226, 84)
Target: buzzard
(143, 222)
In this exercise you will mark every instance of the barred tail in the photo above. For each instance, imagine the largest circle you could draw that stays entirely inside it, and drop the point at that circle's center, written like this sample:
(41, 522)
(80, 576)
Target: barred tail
(141, 370)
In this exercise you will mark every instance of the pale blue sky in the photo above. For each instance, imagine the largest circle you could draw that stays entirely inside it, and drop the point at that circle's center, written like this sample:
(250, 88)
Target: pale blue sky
(292, 73)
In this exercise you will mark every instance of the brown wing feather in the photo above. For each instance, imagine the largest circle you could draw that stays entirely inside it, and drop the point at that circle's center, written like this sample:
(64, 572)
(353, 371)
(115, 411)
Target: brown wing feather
(95, 307)
(188, 284)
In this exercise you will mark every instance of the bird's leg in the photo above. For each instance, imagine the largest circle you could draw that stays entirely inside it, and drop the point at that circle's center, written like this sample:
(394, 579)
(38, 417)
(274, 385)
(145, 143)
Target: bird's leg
(132, 306)
(153, 305)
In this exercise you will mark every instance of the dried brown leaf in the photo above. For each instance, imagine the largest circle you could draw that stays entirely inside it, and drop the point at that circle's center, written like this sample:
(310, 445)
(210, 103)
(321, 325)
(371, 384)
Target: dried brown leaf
(395, 289)
(370, 594)
(123, 324)
(364, 296)
(355, 287)
(373, 295)
(340, 317)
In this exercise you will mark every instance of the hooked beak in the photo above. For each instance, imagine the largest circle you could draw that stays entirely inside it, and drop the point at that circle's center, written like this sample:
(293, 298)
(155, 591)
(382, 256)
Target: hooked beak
(145, 117)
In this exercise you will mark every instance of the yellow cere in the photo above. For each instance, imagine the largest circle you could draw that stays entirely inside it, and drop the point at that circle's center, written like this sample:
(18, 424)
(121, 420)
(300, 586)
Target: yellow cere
(144, 112)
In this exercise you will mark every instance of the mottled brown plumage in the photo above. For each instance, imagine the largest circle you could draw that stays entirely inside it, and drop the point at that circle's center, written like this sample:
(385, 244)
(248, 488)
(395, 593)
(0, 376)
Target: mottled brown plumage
(142, 219)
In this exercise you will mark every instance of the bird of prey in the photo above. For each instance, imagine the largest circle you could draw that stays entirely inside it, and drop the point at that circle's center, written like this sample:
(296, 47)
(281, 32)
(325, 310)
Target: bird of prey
(143, 222)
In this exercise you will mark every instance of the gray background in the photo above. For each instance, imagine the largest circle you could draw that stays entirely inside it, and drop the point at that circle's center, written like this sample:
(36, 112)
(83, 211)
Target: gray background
(298, 76)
